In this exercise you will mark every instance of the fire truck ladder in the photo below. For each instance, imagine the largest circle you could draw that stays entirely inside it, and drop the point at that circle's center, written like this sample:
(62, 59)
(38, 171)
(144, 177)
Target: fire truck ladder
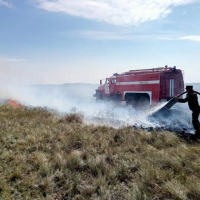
(153, 70)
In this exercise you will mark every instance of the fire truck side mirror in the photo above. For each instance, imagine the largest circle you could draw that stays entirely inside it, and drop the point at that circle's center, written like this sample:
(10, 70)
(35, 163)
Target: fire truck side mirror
(100, 82)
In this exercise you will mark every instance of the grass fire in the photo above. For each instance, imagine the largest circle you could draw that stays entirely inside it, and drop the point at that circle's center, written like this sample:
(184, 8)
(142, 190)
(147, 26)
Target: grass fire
(14, 104)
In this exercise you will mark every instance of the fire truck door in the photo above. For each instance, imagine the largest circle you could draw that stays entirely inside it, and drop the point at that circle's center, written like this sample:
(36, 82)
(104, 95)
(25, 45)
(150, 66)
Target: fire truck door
(107, 91)
(171, 87)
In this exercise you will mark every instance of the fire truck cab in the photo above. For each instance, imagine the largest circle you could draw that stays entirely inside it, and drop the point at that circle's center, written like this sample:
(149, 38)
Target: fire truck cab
(142, 87)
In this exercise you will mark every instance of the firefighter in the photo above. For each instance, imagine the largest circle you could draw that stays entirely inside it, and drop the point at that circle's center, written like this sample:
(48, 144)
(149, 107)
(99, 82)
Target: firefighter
(193, 104)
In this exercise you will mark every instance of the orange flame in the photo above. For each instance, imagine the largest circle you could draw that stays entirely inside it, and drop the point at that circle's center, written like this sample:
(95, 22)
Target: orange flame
(14, 104)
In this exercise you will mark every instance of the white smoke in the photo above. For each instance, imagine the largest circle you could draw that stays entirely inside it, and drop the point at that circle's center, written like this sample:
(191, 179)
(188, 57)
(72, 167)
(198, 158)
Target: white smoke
(79, 98)
(15, 85)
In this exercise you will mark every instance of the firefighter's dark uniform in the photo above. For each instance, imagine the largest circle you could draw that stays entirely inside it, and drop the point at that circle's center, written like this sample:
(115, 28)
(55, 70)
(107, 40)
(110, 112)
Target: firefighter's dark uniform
(193, 103)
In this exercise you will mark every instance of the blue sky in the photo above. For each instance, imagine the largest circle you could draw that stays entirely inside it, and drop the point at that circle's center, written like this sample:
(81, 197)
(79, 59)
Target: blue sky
(60, 41)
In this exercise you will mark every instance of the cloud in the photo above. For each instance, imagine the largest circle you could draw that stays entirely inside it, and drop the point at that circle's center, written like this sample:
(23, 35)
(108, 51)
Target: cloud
(14, 60)
(191, 37)
(103, 35)
(117, 12)
(106, 35)
(7, 4)
(165, 38)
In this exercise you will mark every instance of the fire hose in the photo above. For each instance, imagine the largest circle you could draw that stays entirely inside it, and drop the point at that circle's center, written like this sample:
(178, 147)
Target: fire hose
(173, 101)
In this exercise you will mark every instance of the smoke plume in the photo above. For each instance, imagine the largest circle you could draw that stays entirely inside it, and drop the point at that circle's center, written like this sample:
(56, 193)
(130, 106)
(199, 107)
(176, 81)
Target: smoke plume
(15, 85)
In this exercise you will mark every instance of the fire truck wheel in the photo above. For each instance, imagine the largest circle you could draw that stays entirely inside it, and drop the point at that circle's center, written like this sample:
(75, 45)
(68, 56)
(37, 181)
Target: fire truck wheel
(143, 103)
(131, 102)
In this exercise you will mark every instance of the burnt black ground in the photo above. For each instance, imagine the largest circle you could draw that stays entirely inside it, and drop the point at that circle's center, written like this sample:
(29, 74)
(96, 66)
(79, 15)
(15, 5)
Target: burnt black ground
(182, 130)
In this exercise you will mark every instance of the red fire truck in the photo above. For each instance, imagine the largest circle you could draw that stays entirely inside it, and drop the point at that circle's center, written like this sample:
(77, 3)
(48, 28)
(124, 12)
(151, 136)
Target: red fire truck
(142, 87)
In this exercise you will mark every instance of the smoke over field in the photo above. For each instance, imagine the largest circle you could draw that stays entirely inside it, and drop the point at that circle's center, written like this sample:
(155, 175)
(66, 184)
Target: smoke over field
(78, 98)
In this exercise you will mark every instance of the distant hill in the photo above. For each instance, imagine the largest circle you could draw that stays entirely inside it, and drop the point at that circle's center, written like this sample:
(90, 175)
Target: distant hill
(61, 97)
(77, 90)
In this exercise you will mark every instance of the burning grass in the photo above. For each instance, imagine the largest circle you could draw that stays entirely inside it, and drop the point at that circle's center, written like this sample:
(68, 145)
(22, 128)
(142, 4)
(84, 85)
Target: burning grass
(14, 104)
(43, 155)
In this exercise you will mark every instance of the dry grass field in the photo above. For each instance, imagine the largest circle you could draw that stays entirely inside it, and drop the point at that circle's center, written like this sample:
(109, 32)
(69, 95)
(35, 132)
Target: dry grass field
(44, 155)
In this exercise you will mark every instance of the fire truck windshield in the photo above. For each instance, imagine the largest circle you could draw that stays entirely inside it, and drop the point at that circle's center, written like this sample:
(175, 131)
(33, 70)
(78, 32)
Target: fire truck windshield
(107, 81)
(113, 81)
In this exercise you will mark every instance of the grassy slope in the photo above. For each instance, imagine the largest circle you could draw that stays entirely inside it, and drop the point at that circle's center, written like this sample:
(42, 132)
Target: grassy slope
(44, 156)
